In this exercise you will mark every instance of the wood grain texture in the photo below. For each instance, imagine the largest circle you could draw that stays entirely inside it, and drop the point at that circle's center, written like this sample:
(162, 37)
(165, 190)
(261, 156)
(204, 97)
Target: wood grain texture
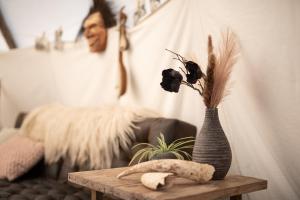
(130, 188)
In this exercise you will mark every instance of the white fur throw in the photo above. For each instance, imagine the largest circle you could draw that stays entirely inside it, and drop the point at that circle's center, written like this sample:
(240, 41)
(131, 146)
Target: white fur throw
(89, 136)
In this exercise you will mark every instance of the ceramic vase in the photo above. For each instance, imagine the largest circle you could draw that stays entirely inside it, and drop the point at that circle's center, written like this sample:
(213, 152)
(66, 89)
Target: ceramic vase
(211, 145)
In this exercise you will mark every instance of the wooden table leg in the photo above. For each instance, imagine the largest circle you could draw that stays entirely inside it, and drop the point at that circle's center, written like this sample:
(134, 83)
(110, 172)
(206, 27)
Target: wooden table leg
(93, 195)
(237, 197)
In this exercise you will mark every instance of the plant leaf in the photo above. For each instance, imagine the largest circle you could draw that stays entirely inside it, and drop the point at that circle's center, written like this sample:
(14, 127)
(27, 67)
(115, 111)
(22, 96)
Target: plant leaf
(141, 144)
(136, 155)
(140, 154)
(180, 144)
(161, 142)
(188, 139)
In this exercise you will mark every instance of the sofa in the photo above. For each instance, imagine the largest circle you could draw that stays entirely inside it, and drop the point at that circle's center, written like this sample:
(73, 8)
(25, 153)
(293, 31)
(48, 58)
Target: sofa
(49, 182)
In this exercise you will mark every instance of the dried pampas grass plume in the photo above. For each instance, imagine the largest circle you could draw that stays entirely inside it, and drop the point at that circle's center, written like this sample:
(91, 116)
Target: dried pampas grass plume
(209, 83)
(223, 67)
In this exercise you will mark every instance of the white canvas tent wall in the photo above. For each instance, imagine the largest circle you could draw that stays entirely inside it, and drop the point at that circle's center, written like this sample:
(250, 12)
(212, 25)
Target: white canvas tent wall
(260, 116)
(3, 45)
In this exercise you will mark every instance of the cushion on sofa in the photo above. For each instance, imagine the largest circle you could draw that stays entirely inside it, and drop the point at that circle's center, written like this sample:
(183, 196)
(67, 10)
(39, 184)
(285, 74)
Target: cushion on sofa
(42, 189)
(18, 155)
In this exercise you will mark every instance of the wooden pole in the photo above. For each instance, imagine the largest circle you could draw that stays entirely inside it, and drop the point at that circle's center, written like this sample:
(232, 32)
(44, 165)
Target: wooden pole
(237, 197)
(93, 195)
(123, 46)
(6, 33)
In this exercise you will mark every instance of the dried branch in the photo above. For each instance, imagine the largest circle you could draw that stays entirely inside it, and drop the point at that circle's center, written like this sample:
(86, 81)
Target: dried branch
(192, 86)
(179, 57)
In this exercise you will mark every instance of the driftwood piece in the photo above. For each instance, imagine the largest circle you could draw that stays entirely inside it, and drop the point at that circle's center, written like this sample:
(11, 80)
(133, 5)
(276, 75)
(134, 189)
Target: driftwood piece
(198, 172)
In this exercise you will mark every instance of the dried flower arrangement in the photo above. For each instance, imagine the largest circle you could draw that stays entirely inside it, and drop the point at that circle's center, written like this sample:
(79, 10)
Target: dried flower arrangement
(211, 86)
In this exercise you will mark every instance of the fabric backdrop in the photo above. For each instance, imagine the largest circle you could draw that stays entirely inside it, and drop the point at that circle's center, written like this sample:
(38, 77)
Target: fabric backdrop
(259, 116)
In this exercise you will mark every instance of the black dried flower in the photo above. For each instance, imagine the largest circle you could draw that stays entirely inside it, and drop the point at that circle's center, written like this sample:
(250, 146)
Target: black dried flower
(194, 72)
(171, 80)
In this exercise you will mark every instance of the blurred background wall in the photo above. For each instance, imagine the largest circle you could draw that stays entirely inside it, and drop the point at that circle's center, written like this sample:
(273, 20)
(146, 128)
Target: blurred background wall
(30, 18)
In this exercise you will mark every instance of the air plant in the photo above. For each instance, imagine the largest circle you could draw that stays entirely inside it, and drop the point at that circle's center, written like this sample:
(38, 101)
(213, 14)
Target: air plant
(176, 148)
(211, 86)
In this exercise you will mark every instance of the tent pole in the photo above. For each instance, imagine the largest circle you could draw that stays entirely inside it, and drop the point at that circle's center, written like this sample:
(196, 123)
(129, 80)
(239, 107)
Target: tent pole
(6, 33)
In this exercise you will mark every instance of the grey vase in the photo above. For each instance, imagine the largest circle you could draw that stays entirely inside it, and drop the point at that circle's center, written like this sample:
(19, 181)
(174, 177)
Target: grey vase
(211, 145)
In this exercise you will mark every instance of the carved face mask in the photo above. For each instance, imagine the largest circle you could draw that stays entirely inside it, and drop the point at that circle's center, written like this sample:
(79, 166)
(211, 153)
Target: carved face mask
(95, 32)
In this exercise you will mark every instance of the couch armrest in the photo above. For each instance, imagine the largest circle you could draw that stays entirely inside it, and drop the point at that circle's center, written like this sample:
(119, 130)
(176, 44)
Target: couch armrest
(172, 129)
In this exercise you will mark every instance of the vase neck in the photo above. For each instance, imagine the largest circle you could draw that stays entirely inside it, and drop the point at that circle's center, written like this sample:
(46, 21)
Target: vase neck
(212, 113)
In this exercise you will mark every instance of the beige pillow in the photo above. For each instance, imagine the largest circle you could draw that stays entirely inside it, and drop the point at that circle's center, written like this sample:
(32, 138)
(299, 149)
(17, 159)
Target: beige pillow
(18, 155)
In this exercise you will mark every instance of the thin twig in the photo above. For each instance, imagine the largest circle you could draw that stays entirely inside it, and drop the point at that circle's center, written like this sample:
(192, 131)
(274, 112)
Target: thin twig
(204, 77)
(182, 70)
(180, 58)
(174, 53)
(191, 86)
(199, 83)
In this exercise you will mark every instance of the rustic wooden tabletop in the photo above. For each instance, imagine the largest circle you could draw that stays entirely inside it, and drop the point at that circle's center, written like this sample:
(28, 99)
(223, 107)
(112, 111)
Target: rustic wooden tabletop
(129, 188)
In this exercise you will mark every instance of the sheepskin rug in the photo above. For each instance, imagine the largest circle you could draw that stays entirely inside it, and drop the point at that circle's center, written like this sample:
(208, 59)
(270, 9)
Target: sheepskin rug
(89, 136)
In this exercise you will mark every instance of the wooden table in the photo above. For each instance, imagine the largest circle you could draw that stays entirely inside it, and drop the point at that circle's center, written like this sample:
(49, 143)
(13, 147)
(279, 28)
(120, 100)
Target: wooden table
(130, 188)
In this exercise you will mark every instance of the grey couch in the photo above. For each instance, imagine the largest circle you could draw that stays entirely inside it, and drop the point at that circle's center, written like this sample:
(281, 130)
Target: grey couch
(49, 182)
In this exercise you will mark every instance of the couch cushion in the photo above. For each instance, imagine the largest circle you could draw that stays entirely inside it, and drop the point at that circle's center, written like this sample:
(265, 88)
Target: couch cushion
(18, 155)
(40, 189)
(44, 189)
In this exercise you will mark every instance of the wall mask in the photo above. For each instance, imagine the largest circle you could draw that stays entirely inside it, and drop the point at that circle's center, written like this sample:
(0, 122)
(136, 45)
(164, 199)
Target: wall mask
(95, 32)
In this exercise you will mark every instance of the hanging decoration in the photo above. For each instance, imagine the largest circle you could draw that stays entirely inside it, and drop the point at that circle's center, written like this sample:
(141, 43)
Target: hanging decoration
(42, 43)
(146, 8)
(58, 43)
(123, 46)
(140, 11)
(154, 4)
